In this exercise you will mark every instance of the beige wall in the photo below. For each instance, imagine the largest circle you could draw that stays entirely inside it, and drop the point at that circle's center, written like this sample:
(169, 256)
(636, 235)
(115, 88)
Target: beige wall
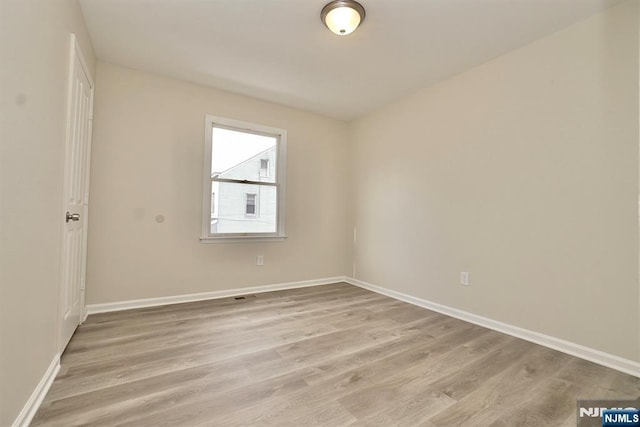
(524, 172)
(147, 161)
(34, 40)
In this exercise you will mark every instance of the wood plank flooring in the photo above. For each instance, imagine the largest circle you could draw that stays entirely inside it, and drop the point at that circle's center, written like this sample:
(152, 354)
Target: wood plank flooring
(333, 355)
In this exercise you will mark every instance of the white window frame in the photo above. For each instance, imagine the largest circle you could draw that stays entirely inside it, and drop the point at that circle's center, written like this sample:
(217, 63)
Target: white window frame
(279, 181)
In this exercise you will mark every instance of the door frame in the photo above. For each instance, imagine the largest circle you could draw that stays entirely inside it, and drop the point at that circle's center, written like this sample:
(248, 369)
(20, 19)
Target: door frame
(75, 52)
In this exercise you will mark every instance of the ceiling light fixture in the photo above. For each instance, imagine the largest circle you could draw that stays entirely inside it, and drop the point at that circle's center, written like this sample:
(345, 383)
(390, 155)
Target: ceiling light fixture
(342, 17)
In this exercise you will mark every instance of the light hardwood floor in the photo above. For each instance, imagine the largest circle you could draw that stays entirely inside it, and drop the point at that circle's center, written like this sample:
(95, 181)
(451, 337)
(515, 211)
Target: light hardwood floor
(330, 355)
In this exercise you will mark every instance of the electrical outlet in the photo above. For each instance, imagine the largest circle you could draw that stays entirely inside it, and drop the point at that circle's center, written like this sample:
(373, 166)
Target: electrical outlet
(464, 278)
(260, 260)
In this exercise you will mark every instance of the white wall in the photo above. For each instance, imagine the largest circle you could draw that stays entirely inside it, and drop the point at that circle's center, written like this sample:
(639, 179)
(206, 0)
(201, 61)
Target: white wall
(34, 57)
(147, 161)
(524, 172)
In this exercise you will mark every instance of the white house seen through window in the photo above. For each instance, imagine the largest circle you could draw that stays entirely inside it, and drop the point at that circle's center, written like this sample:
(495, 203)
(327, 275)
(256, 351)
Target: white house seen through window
(244, 179)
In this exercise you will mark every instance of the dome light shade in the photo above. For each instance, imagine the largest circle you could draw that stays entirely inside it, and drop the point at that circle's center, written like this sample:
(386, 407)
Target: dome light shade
(342, 17)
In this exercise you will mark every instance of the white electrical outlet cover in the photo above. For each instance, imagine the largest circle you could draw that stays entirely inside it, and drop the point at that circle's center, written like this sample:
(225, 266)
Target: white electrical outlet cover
(464, 278)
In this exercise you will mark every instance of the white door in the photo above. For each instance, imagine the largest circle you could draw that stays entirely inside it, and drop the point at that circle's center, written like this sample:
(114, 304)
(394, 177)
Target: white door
(76, 196)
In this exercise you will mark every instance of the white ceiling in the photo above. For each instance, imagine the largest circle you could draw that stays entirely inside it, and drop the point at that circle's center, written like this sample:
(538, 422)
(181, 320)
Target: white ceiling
(279, 50)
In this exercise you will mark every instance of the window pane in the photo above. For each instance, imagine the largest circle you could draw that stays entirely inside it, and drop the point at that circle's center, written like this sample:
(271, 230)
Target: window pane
(244, 208)
(241, 155)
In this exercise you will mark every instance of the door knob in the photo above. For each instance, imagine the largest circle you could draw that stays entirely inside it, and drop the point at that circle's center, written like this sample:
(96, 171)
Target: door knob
(72, 217)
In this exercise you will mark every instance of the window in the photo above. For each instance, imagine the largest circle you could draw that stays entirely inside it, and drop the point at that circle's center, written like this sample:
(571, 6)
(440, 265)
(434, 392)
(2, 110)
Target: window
(250, 208)
(264, 168)
(244, 177)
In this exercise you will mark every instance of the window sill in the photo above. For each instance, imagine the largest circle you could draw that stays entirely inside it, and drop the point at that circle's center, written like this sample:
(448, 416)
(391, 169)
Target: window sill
(240, 239)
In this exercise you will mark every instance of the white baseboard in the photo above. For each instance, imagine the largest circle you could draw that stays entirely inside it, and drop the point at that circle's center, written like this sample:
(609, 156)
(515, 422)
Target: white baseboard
(35, 400)
(177, 299)
(609, 360)
(600, 357)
